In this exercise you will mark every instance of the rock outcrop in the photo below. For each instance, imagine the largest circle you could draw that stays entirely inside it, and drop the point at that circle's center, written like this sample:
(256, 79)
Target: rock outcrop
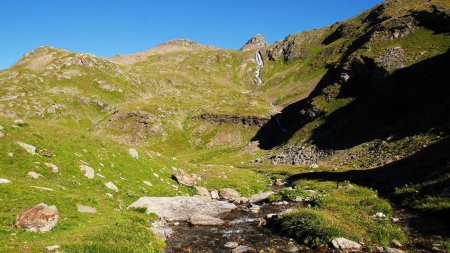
(256, 42)
(40, 218)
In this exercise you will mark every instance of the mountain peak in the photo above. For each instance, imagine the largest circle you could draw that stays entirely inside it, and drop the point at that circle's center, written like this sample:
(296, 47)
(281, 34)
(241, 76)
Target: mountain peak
(255, 42)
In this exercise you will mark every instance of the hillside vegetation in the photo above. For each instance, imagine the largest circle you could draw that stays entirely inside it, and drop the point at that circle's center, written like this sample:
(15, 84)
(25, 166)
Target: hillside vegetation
(362, 103)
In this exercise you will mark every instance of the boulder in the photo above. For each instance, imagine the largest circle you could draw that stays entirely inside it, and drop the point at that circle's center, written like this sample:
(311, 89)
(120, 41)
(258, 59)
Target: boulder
(183, 178)
(53, 167)
(260, 196)
(229, 194)
(88, 171)
(4, 181)
(243, 249)
(205, 220)
(344, 244)
(133, 153)
(86, 209)
(112, 186)
(29, 148)
(40, 218)
(182, 208)
(203, 192)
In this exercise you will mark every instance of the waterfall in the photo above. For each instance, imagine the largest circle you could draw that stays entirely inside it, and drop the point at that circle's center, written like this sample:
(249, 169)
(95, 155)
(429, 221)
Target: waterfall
(260, 63)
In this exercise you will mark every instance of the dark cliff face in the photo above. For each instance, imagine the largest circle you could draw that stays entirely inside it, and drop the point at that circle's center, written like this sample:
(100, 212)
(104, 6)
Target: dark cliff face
(233, 119)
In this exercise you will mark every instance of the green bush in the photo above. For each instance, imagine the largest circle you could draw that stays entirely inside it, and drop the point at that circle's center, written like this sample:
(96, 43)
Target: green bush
(308, 227)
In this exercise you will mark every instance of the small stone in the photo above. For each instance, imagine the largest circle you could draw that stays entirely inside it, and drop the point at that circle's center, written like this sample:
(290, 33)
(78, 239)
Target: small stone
(183, 178)
(293, 249)
(34, 175)
(86, 209)
(395, 219)
(229, 194)
(112, 186)
(231, 245)
(203, 192)
(29, 148)
(42, 188)
(147, 183)
(40, 218)
(109, 195)
(4, 181)
(396, 243)
(215, 194)
(345, 244)
(133, 153)
(46, 152)
(255, 208)
(88, 171)
(10, 154)
(243, 249)
(52, 248)
(53, 167)
(379, 215)
(1, 134)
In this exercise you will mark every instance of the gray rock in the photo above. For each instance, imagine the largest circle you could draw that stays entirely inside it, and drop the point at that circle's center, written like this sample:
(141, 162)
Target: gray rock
(88, 171)
(112, 186)
(29, 148)
(133, 153)
(161, 229)
(86, 209)
(229, 194)
(231, 245)
(147, 183)
(390, 250)
(182, 208)
(345, 244)
(396, 243)
(260, 196)
(40, 218)
(243, 249)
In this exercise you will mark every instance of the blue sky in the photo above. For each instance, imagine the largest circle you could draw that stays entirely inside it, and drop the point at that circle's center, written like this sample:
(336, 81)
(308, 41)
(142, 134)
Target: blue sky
(109, 27)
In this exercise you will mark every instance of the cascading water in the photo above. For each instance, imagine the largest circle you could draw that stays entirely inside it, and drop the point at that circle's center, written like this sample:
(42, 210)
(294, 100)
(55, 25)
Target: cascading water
(260, 63)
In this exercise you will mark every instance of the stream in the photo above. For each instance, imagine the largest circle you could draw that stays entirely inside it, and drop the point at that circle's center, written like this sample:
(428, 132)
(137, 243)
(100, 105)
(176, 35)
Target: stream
(242, 226)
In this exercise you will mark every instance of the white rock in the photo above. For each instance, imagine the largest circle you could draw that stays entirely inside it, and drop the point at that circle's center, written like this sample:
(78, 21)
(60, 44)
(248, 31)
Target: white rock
(52, 248)
(205, 220)
(215, 194)
(109, 195)
(42, 188)
(34, 175)
(86, 209)
(147, 183)
(231, 245)
(100, 175)
(112, 186)
(53, 167)
(4, 181)
(40, 218)
(10, 154)
(133, 153)
(345, 244)
(29, 148)
(243, 249)
(88, 171)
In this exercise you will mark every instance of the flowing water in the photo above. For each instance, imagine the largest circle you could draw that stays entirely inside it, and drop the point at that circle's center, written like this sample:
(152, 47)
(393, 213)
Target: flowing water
(243, 226)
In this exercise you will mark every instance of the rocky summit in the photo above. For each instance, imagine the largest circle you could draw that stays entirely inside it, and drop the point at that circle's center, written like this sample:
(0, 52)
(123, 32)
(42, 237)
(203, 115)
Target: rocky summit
(329, 140)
